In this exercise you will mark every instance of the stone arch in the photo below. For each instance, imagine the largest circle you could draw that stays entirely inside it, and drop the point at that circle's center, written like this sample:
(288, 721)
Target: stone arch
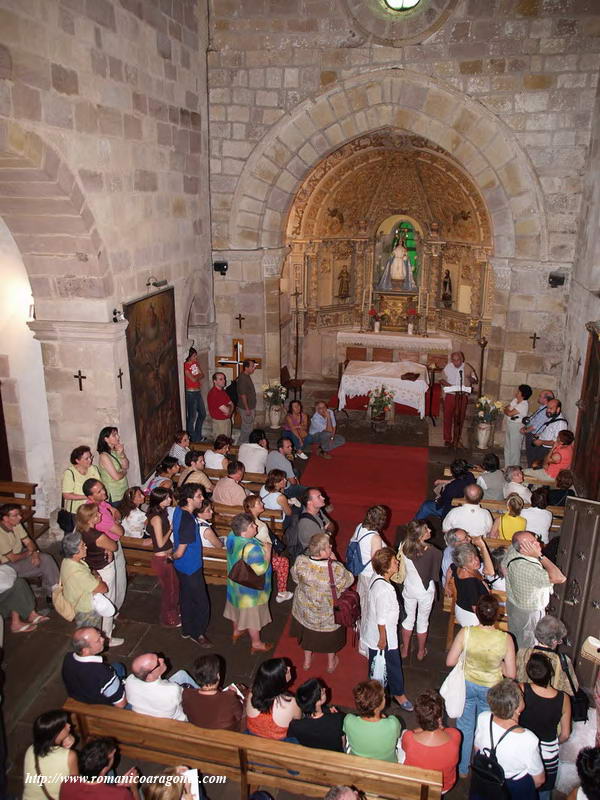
(47, 214)
(402, 100)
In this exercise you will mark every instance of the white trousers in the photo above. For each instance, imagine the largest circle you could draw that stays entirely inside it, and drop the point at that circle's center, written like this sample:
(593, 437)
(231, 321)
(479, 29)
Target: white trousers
(513, 442)
(419, 607)
(109, 576)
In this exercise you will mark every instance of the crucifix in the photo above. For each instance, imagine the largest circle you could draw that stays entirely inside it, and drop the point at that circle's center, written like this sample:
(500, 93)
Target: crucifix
(79, 377)
(240, 320)
(235, 360)
(534, 339)
(120, 377)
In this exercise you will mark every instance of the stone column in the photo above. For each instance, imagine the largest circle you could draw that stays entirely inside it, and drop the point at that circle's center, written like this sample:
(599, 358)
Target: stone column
(272, 265)
(99, 350)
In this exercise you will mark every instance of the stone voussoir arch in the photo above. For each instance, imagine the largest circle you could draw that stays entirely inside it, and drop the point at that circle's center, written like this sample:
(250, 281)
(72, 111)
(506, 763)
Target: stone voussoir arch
(47, 214)
(403, 100)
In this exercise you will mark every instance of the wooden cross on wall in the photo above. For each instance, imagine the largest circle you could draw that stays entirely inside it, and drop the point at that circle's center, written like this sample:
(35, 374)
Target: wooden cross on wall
(235, 360)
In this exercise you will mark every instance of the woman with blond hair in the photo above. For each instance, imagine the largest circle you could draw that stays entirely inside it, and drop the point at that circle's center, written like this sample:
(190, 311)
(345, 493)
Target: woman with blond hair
(511, 521)
(423, 564)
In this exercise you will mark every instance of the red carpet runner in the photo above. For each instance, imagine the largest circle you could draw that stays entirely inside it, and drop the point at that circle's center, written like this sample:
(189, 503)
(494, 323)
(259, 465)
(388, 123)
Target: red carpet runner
(358, 476)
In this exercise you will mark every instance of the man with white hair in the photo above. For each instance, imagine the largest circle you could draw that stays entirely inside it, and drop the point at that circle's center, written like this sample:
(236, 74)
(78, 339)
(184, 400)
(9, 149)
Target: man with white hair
(471, 517)
(514, 478)
(452, 538)
(456, 373)
(342, 793)
(530, 577)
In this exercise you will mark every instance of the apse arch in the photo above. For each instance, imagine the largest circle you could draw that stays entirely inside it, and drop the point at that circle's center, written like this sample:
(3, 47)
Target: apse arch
(401, 100)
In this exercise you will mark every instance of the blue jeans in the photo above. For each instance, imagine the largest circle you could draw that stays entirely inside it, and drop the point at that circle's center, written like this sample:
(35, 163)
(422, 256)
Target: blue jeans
(292, 437)
(475, 703)
(429, 509)
(393, 665)
(181, 677)
(195, 413)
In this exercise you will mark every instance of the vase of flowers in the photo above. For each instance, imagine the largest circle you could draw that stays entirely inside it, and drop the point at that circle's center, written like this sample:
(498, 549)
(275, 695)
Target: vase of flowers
(376, 318)
(275, 395)
(488, 410)
(381, 400)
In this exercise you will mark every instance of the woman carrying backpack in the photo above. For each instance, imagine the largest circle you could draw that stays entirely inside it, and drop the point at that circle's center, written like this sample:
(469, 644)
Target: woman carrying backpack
(365, 542)
(507, 762)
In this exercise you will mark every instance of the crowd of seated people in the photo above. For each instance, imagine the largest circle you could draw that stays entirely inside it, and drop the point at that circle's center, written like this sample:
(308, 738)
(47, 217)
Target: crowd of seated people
(173, 513)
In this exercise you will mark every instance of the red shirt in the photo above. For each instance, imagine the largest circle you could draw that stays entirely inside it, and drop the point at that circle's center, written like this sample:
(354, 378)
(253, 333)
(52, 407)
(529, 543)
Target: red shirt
(443, 757)
(217, 397)
(191, 376)
(565, 451)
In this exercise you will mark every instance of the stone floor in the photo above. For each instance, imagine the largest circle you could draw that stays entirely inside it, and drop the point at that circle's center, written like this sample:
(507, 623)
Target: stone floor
(32, 661)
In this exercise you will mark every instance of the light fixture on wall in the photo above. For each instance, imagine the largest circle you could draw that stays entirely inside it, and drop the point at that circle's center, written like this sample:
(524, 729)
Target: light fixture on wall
(118, 315)
(152, 281)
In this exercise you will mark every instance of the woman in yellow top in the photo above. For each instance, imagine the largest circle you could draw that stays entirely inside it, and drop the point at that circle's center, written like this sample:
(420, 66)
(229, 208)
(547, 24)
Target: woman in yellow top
(76, 475)
(52, 755)
(489, 655)
(113, 463)
(510, 522)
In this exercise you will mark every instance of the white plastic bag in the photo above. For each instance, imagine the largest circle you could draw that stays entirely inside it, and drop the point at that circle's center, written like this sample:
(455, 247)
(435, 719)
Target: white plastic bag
(453, 689)
(378, 668)
(102, 605)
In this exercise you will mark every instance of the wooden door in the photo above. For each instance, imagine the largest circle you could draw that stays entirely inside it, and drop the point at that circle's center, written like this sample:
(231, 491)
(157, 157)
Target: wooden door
(577, 602)
(5, 470)
(586, 465)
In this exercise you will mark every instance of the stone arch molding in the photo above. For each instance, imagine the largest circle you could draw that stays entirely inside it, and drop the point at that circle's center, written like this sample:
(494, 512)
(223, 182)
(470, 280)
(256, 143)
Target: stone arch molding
(49, 219)
(401, 100)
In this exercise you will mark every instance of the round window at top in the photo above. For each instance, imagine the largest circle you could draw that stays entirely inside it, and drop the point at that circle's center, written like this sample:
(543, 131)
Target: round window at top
(401, 5)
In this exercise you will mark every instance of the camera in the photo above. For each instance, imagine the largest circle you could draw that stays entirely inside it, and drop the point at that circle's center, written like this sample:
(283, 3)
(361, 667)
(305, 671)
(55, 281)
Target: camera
(526, 420)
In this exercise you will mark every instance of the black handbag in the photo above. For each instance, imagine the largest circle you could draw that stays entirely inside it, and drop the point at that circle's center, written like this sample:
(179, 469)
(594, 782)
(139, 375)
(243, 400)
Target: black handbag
(580, 705)
(242, 573)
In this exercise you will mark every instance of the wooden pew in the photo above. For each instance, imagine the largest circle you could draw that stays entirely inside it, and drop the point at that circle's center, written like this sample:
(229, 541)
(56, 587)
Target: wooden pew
(24, 494)
(249, 760)
(477, 471)
(204, 446)
(138, 552)
(253, 481)
(497, 507)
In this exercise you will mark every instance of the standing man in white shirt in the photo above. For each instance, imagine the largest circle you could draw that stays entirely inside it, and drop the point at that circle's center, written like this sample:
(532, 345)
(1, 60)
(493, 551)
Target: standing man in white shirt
(148, 692)
(456, 373)
(514, 413)
(534, 423)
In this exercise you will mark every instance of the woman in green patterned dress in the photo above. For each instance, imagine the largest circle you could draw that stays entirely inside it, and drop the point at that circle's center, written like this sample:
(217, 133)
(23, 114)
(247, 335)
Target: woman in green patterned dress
(247, 608)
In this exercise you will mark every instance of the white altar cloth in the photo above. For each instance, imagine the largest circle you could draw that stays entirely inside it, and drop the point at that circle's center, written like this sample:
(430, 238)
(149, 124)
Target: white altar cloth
(361, 376)
(400, 341)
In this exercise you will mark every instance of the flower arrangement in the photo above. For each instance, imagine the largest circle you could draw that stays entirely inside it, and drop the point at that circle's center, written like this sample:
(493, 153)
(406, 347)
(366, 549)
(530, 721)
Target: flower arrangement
(488, 409)
(376, 316)
(380, 400)
(275, 394)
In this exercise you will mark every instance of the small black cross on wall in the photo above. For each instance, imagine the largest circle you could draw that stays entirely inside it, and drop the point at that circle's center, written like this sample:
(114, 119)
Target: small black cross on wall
(534, 339)
(79, 377)
(240, 320)
(120, 377)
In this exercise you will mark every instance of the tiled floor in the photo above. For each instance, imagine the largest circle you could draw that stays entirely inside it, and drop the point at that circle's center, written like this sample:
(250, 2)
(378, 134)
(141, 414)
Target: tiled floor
(32, 661)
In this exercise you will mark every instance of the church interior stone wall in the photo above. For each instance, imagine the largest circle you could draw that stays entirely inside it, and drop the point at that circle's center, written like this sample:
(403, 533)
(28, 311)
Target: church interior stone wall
(103, 183)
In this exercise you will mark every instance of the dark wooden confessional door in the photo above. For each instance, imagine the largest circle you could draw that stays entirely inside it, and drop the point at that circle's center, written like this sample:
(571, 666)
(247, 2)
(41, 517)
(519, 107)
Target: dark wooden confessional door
(586, 465)
(577, 602)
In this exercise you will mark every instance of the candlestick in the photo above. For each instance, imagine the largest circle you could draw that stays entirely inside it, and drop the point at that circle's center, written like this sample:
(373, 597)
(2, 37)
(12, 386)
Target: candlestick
(426, 303)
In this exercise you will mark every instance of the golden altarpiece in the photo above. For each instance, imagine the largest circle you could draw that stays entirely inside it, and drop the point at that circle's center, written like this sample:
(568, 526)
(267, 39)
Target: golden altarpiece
(388, 226)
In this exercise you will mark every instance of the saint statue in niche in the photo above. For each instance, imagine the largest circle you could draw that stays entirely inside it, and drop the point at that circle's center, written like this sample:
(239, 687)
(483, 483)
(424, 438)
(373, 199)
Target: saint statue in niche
(447, 289)
(343, 284)
(398, 272)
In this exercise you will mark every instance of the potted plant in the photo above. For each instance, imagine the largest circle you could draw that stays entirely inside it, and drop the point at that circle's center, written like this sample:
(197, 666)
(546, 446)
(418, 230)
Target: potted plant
(275, 395)
(487, 410)
(381, 400)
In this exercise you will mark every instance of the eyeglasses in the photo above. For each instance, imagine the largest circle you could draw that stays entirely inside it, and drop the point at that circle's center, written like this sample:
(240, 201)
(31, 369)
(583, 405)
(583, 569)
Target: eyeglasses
(157, 665)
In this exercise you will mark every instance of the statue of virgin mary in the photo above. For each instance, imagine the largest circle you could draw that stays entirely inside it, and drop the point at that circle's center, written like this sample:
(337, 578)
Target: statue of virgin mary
(398, 268)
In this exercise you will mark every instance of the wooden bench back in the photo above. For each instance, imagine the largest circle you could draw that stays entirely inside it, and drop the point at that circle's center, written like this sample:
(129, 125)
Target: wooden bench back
(204, 446)
(24, 494)
(138, 559)
(497, 507)
(253, 481)
(221, 521)
(254, 762)
(528, 479)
